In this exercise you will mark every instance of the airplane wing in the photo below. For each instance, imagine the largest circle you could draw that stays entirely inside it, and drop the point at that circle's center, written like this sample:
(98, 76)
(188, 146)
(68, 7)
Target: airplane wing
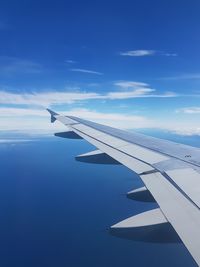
(170, 172)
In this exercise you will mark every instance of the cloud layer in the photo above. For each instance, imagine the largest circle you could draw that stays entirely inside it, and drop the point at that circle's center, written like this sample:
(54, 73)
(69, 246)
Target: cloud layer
(133, 90)
(25, 112)
(34, 122)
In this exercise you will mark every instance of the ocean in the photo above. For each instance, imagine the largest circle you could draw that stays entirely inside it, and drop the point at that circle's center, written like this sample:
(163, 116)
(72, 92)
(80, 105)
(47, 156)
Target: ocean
(56, 212)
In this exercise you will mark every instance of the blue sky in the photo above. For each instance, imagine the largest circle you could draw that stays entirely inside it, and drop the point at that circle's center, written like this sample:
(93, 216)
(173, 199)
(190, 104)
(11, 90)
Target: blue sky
(131, 64)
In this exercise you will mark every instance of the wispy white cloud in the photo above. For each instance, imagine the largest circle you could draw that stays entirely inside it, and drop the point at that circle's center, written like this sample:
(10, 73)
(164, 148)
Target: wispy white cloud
(189, 110)
(87, 71)
(143, 53)
(138, 53)
(137, 89)
(57, 98)
(130, 84)
(142, 92)
(45, 98)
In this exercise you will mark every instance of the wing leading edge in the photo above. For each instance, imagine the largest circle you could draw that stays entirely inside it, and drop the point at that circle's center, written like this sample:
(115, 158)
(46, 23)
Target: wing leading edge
(170, 171)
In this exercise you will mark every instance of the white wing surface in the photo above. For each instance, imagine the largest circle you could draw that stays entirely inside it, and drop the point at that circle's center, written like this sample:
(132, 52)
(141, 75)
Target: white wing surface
(170, 172)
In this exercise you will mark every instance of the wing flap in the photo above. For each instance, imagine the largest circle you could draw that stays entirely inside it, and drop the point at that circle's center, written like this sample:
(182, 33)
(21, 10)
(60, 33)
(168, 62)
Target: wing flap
(179, 211)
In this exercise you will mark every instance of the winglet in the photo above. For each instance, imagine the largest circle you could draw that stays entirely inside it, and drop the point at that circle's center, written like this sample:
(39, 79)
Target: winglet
(53, 114)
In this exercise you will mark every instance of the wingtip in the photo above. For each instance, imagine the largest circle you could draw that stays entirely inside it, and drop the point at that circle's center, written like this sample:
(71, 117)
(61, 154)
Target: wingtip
(51, 111)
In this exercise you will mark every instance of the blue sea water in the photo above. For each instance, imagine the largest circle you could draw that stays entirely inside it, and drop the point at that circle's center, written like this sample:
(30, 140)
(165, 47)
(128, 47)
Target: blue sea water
(56, 212)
